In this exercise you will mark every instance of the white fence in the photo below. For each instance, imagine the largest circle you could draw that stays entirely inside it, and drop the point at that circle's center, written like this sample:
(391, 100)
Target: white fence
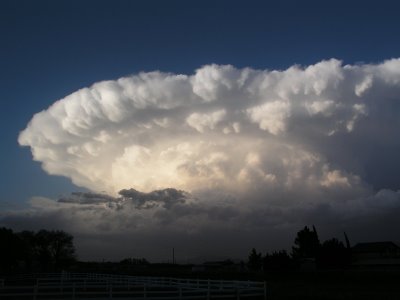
(107, 286)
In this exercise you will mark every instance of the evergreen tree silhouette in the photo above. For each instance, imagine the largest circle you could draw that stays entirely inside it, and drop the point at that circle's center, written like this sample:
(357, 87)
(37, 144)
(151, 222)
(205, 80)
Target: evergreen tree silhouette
(347, 240)
(255, 260)
(306, 244)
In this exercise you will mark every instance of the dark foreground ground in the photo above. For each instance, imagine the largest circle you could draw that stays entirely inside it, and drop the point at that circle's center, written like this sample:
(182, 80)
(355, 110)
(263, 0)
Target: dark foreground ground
(283, 285)
(329, 285)
(334, 285)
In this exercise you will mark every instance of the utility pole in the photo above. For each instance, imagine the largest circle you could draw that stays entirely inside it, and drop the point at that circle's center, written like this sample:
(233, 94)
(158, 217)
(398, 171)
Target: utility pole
(173, 256)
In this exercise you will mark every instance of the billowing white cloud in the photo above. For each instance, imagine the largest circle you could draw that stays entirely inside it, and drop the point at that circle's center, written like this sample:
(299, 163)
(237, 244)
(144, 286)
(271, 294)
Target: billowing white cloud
(203, 121)
(253, 147)
(271, 116)
(157, 130)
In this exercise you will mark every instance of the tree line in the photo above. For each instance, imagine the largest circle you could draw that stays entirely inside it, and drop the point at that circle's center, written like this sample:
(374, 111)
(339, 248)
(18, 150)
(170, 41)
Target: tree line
(41, 251)
(331, 254)
(53, 250)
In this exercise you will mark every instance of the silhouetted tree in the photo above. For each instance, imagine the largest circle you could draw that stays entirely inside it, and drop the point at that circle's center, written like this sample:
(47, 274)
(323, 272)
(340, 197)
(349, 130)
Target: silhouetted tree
(255, 260)
(28, 249)
(54, 249)
(347, 241)
(278, 260)
(349, 254)
(10, 250)
(333, 254)
(307, 243)
(134, 261)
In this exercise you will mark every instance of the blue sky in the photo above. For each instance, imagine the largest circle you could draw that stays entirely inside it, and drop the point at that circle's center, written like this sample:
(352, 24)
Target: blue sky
(50, 49)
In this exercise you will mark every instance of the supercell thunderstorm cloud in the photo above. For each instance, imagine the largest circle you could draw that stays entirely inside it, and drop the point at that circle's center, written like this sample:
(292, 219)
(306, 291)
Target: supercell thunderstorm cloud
(222, 151)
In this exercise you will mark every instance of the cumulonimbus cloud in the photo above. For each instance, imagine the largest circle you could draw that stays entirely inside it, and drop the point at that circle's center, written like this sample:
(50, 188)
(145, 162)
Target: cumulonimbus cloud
(256, 150)
(221, 127)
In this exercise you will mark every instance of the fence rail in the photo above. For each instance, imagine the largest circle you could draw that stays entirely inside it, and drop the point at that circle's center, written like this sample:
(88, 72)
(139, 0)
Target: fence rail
(108, 286)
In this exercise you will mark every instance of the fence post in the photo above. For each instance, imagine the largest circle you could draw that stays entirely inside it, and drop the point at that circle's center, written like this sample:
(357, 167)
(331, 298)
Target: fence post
(110, 292)
(237, 294)
(144, 290)
(73, 290)
(265, 290)
(180, 293)
(62, 282)
(35, 290)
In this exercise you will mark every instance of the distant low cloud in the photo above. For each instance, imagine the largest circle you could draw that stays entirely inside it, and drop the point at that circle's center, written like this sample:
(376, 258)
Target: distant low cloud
(87, 198)
(130, 197)
(167, 197)
(223, 226)
(226, 148)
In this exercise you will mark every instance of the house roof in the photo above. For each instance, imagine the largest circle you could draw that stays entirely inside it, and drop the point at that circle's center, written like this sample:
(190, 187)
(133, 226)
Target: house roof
(376, 247)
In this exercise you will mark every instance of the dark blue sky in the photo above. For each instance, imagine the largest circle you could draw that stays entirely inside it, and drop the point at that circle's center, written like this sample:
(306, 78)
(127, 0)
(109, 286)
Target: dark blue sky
(51, 48)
